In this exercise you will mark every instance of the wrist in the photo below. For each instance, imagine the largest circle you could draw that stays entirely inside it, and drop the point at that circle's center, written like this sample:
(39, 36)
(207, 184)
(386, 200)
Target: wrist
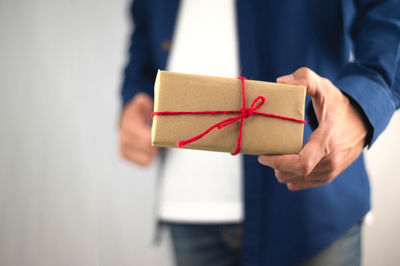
(364, 119)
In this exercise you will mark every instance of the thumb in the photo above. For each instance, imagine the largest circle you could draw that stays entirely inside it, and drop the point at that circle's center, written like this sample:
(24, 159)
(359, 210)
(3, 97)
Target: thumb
(303, 77)
(143, 107)
(317, 87)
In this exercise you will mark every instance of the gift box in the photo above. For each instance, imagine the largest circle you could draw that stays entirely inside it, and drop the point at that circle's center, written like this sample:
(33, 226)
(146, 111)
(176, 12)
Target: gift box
(227, 115)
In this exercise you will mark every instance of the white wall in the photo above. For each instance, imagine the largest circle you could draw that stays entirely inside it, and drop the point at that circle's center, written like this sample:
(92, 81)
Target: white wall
(66, 198)
(382, 235)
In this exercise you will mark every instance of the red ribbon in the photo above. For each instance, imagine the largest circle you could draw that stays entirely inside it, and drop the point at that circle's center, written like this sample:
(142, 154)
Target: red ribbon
(243, 113)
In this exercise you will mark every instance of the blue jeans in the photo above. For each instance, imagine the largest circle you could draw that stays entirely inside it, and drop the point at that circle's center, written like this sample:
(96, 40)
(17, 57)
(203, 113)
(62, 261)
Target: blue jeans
(219, 245)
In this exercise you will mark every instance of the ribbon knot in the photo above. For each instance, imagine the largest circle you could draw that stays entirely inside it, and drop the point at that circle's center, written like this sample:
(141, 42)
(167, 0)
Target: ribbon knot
(243, 113)
(248, 111)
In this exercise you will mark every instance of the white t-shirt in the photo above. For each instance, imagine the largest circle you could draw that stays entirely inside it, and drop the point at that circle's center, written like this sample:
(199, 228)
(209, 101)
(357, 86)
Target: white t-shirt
(199, 186)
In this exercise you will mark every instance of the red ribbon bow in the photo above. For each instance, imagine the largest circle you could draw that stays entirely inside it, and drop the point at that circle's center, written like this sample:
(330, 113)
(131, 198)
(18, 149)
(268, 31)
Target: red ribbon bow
(244, 112)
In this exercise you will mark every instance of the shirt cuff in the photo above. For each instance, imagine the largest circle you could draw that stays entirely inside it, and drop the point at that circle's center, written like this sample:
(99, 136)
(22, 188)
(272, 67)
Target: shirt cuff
(369, 94)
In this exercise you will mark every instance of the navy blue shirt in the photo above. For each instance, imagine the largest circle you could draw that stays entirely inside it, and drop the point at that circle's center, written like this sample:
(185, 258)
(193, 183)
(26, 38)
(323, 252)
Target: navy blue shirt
(275, 38)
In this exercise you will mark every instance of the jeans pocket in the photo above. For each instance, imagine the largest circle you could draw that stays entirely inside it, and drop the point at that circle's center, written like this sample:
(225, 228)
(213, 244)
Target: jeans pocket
(232, 236)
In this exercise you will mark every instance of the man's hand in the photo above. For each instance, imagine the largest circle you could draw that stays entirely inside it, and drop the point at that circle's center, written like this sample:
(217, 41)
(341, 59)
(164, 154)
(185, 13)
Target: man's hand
(135, 133)
(332, 147)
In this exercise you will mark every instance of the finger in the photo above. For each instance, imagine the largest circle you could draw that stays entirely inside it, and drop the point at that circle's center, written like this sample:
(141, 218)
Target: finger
(329, 163)
(326, 169)
(135, 125)
(326, 165)
(287, 177)
(151, 150)
(320, 180)
(295, 179)
(138, 157)
(284, 177)
(136, 140)
(136, 130)
(136, 145)
(305, 185)
(301, 164)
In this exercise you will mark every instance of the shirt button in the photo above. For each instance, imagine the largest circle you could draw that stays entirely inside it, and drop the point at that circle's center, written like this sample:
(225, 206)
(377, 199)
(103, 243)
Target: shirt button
(166, 45)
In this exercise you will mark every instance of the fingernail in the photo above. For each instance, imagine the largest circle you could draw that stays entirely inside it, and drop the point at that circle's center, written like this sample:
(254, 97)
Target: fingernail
(262, 159)
(286, 78)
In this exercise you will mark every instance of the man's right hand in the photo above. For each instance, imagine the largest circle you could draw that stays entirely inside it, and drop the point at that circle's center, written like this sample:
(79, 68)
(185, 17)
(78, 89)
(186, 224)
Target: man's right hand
(135, 132)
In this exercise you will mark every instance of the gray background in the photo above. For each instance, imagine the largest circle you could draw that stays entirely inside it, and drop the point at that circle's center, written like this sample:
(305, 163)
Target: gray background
(66, 198)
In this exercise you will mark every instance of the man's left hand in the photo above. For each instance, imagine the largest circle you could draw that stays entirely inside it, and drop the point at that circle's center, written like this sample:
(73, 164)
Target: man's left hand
(332, 147)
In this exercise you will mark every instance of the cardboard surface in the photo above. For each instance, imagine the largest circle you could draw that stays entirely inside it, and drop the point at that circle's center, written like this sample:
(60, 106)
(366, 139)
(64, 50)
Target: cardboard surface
(261, 135)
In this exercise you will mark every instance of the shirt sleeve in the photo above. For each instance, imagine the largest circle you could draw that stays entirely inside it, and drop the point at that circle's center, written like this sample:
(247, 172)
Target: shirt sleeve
(372, 80)
(140, 71)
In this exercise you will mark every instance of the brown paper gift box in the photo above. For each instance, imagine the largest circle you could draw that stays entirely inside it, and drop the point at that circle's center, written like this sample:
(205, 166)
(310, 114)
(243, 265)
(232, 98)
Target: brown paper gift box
(261, 135)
